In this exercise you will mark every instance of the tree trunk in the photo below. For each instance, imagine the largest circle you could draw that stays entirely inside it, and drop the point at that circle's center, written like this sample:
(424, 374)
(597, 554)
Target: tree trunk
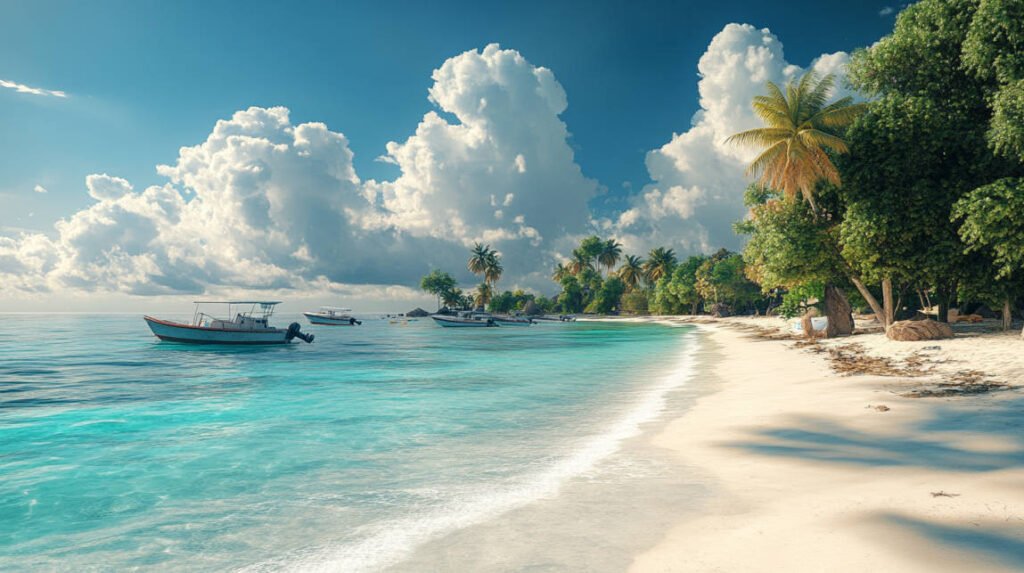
(872, 301)
(1007, 314)
(838, 311)
(887, 302)
(693, 308)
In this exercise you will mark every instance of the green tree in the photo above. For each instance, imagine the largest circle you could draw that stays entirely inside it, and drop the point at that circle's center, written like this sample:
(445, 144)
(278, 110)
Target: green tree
(484, 293)
(992, 219)
(493, 268)
(561, 271)
(438, 283)
(632, 272)
(801, 129)
(480, 257)
(611, 252)
(660, 263)
(677, 293)
(571, 299)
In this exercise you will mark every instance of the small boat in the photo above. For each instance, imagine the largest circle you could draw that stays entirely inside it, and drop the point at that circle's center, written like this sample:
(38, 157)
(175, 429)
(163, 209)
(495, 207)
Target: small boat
(513, 321)
(465, 319)
(247, 322)
(556, 318)
(332, 316)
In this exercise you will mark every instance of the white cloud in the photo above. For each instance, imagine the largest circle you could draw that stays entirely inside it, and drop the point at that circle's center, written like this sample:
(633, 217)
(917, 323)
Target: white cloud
(263, 203)
(39, 189)
(22, 88)
(698, 181)
(886, 11)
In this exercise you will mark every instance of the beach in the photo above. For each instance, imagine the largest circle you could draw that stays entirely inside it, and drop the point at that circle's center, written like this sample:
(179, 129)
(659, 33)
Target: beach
(812, 470)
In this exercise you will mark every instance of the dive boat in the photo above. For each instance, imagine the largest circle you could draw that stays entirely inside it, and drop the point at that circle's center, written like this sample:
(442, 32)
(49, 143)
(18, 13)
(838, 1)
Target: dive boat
(513, 320)
(464, 319)
(246, 323)
(332, 316)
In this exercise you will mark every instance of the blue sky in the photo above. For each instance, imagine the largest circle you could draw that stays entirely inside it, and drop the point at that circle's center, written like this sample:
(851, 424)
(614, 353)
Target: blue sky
(146, 78)
(581, 122)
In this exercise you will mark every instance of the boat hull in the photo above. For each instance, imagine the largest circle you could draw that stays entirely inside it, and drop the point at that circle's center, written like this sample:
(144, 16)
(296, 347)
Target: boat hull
(177, 332)
(314, 318)
(449, 322)
(508, 322)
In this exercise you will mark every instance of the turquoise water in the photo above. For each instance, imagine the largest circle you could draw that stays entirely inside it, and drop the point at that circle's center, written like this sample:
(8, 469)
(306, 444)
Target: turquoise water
(118, 451)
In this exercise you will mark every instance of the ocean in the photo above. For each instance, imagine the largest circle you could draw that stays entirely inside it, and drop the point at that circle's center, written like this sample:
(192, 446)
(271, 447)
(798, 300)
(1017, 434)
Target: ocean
(359, 452)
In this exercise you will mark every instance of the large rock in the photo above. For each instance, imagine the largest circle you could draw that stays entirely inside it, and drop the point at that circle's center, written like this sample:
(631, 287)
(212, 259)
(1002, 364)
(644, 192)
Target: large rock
(919, 330)
(531, 309)
(720, 310)
(838, 311)
(417, 312)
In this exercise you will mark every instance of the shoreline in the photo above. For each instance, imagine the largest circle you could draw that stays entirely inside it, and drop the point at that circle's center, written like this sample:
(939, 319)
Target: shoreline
(812, 470)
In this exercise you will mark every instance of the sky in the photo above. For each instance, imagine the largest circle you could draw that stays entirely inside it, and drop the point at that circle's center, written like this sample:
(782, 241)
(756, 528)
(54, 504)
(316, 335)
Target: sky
(360, 145)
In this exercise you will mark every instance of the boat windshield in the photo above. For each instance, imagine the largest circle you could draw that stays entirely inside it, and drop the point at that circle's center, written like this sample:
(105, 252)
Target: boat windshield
(257, 310)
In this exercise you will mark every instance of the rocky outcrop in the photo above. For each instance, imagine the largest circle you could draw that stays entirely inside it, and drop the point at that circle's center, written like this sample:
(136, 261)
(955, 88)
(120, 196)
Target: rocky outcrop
(417, 313)
(919, 330)
(531, 309)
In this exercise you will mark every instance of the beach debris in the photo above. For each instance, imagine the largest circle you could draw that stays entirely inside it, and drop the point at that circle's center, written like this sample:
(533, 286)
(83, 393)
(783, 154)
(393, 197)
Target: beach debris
(941, 493)
(962, 383)
(880, 408)
(909, 330)
(931, 348)
(851, 359)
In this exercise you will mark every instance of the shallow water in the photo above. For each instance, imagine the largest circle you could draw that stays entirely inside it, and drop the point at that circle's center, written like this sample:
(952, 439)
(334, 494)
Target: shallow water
(118, 451)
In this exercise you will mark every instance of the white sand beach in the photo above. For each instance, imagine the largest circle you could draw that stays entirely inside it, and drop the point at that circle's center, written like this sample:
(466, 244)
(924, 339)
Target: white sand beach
(812, 470)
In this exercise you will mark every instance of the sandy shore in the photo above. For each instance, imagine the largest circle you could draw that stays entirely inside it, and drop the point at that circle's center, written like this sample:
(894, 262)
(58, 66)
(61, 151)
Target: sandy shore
(813, 470)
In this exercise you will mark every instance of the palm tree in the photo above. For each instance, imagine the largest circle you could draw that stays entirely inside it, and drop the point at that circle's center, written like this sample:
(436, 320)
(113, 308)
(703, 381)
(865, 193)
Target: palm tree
(611, 252)
(452, 298)
(493, 269)
(632, 271)
(800, 128)
(561, 271)
(660, 262)
(480, 255)
(580, 262)
(483, 295)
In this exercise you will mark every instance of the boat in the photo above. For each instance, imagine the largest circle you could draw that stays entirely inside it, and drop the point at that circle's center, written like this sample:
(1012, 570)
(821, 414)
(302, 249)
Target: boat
(332, 316)
(246, 322)
(464, 319)
(556, 318)
(513, 320)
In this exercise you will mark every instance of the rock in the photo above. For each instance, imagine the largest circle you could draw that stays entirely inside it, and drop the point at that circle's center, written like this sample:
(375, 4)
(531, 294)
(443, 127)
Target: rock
(972, 318)
(807, 324)
(907, 330)
(417, 313)
(531, 309)
(720, 310)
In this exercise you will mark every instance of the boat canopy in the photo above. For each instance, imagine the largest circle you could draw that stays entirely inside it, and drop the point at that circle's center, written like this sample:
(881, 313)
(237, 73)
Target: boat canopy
(258, 309)
(336, 308)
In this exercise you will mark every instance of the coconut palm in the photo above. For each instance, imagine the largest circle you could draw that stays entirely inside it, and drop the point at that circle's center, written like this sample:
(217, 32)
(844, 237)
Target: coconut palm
(480, 255)
(452, 298)
(580, 262)
(632, 271)
(611, 252)
(493, 269)
(484, 293)
(660, 262)
(800, 128)
(561, 271)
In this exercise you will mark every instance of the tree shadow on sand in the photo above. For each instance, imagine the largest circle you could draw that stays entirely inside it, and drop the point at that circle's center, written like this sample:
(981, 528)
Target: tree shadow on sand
(919, 445)
(1009, 550)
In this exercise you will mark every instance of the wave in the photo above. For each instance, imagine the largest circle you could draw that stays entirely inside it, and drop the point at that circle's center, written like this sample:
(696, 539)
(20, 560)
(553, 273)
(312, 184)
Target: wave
(395, 540)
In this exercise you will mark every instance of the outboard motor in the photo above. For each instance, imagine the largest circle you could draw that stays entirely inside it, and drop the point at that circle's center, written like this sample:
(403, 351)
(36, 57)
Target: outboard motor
(294, 332)
(352, 321)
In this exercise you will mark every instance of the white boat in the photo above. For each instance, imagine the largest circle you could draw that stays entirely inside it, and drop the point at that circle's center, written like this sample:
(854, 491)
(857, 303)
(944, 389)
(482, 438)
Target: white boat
(464, 319)
(513, 320)
(332, 316)
(247, 322)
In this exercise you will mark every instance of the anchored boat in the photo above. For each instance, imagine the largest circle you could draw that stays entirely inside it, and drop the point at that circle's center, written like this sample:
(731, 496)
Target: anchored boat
(332, 316)
(513, 321)
(465, 319)
(247, 322)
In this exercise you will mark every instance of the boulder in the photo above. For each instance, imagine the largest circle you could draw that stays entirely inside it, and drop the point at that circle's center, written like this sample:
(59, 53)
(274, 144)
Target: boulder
(417, 313)
(720, 310)
(531, 309)
(919, 330)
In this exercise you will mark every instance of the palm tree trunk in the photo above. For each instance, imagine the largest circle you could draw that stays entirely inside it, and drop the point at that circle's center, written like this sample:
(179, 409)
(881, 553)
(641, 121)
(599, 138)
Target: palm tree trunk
(872, 301)
(887, 302)
(1007, 314)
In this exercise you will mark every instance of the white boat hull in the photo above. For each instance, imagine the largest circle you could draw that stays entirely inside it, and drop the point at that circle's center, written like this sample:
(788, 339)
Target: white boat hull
(315, 318)
(452, 322)
(509, 322)
(177, 332)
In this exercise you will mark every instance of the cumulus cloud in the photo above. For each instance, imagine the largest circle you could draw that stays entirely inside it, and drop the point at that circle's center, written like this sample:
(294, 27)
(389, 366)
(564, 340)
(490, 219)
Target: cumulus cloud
(697, 180)
(886, 11)
(39, 189)
(22, 88)
(263, 203)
